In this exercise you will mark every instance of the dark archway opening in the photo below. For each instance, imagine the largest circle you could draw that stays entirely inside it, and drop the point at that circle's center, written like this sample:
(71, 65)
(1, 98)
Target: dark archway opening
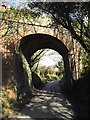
(32, 43)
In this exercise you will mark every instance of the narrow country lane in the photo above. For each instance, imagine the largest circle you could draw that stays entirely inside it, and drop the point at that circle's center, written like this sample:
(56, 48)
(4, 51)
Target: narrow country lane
(53, 86)
(48, 105)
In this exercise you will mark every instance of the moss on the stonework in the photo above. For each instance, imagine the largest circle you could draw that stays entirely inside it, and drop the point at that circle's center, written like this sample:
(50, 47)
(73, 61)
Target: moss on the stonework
(23, 76)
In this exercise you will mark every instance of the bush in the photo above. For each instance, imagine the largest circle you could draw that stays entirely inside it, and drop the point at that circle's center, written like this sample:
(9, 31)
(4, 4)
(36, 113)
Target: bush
(7, 102)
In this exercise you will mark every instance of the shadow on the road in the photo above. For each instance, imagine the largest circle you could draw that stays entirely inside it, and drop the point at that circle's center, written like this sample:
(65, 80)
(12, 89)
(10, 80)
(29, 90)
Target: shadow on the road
(51, 105)
(47, 106)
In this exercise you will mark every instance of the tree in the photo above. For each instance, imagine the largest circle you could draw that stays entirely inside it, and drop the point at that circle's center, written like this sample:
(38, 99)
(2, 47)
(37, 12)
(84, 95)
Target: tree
(74, 16)
(36, 57)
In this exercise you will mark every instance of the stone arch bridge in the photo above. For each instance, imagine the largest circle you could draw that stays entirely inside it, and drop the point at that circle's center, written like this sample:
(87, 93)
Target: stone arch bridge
(35, 37)
(39, 37)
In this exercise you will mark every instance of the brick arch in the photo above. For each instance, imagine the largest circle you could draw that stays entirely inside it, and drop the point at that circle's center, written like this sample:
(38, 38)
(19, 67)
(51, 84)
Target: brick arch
(33, 42)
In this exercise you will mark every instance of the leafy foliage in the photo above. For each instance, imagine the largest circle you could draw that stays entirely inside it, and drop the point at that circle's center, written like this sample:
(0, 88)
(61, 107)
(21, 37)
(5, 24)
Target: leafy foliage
(85, 63)
(35, 59)
(49, 73)
(71, 16)
(7, 102)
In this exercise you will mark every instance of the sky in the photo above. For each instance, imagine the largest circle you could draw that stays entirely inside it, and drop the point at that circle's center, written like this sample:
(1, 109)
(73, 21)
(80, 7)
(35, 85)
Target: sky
(14, 3)
(50, 60)
(47, 62)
